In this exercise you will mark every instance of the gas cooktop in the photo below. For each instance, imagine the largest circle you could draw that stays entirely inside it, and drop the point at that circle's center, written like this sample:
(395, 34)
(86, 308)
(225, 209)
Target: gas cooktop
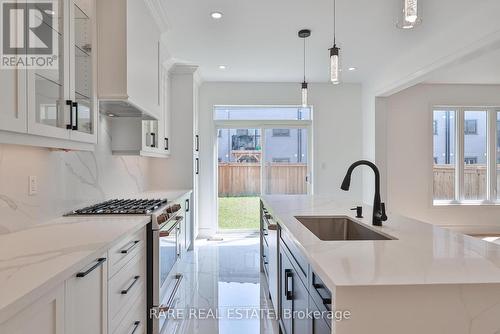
(122, 206)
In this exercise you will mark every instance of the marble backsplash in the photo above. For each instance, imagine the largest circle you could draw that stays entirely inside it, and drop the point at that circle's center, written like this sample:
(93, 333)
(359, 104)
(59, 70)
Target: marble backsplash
(66, 180)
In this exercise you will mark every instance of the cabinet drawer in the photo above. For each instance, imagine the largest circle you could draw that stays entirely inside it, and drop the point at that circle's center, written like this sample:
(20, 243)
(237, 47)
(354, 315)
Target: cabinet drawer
(125, 250)
(321, 295)
(126, 286)
(135, 320)
(298, 260)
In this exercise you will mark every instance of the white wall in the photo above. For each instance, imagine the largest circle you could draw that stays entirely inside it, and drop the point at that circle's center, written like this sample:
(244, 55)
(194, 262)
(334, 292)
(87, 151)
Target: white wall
(66, 180)
(410, 157)
(337, 133)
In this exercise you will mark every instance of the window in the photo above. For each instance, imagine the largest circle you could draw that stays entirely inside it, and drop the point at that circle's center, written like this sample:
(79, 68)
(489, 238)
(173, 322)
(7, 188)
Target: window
(281, 132)
(470, 126)
(219, 133)
(242, 132)
(475, 157)
(444, 155)
(461, 163)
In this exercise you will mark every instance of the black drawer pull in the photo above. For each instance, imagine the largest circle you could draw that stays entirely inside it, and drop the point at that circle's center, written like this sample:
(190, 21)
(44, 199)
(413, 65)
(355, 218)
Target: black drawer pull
(136, 325)
(134, 243)
(136, 278)
(326, 300)
(99, 262)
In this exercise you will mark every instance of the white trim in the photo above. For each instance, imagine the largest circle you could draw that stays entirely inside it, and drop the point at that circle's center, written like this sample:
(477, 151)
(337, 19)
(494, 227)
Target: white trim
(491, 137)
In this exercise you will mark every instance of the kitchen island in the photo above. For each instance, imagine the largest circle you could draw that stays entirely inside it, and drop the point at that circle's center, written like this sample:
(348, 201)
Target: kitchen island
(427, 279)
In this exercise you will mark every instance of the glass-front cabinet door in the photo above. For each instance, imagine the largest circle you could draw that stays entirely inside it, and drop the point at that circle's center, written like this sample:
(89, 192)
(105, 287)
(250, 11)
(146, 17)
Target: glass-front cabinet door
(48, 89)
(82, 70)
(61, 101)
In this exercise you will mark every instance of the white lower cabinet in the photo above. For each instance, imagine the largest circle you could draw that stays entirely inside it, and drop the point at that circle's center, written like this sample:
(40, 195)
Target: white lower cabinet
(92, 300)
(86, 294)
(44, 316)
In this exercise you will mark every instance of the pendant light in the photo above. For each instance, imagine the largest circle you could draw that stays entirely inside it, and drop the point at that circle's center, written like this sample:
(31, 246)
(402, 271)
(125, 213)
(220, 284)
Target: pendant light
(410, 14)
(304, 33)
(334, 53)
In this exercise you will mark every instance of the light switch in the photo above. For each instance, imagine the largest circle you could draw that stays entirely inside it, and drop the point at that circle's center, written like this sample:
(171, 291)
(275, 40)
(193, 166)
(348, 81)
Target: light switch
(33, 185)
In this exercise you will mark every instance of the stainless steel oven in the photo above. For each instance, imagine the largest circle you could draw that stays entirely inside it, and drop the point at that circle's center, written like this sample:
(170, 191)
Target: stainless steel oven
(166, 250)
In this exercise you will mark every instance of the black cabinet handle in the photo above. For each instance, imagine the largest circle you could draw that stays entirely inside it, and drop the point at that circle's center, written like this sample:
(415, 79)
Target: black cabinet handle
(75, 105)
(188, 205)
(197, 166)
(153, 138)
(289, 284)
(127, 250)
(166, 144)
(136, 325)
(136, 278)
(70, 125)
(197, 143)
(99, 262)
(326, 300)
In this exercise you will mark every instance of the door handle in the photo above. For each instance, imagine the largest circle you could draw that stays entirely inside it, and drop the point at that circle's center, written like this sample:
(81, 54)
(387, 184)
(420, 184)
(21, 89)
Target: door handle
(197, 144)
(166, 144)
(75, 105)
(288, 284)
(188, 206)
(153, 138)
(98, 263)
(197, 166)
(70, 125)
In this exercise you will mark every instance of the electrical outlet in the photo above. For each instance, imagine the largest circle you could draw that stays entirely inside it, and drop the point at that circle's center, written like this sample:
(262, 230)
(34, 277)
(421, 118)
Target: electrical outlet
(33, 185)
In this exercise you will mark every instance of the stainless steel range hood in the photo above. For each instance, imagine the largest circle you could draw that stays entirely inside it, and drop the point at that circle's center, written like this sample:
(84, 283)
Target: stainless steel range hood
(123, 108)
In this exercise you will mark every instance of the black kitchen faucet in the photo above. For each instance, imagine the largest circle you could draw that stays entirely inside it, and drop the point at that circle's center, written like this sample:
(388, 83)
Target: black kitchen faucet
(378, 208)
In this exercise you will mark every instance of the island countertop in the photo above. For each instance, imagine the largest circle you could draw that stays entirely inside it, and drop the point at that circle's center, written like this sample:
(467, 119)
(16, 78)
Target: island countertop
(423, 254)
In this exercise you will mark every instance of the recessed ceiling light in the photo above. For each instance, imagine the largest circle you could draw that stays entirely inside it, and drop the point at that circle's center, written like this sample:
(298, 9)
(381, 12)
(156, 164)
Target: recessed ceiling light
(222, 67)
(111, 115)
(352, 68)
(216, 15)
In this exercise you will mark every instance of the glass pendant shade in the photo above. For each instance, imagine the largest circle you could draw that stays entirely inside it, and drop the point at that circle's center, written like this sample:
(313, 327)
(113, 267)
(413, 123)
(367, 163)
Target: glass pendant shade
(335, 65)
(304, 95)
(411, 14)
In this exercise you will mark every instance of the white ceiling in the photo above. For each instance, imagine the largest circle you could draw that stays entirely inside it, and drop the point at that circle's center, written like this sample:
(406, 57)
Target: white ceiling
(257, 39)
(481, 69)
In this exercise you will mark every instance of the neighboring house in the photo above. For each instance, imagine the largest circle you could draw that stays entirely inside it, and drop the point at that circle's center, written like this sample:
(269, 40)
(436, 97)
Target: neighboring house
(282, 145)
(475, 132)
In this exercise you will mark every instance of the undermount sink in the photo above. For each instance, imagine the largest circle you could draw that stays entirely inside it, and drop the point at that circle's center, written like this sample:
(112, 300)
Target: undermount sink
(340, 228)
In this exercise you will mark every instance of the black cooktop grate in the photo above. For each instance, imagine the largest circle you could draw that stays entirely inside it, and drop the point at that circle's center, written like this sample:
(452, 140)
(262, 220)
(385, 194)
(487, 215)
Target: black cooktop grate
(122, 206)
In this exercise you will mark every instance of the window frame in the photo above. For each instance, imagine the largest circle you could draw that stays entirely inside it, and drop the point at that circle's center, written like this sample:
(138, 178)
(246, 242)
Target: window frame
(491, 151)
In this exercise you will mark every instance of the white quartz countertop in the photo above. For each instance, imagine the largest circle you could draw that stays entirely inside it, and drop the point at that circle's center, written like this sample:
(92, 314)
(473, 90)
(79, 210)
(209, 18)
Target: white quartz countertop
(422, 254)
(34, 260)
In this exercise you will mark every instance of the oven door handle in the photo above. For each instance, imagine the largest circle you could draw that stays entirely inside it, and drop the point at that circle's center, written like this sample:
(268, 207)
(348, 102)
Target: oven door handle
(166, 308)
(168, 232)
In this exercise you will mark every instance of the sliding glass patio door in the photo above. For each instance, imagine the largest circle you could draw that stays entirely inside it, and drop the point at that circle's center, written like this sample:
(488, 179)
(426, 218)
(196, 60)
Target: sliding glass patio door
(285, 164)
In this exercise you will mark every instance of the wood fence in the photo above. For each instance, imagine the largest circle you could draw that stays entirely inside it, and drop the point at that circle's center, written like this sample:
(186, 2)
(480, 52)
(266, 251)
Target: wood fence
(243, 179)
(474, 181)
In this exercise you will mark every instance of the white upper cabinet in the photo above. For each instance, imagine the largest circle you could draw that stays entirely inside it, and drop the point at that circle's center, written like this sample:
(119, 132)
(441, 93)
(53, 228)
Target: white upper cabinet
(13, 100)
(56, 103)
(129, 59)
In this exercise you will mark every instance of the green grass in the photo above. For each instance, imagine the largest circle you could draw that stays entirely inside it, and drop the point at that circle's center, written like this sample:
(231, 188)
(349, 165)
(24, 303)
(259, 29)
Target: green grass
(239, 213)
